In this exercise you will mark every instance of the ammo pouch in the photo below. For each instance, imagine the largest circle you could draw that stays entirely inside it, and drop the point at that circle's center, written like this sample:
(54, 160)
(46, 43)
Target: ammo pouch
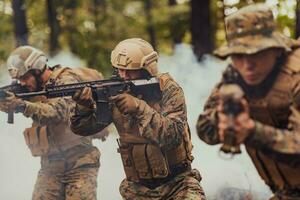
(144, 161)
(150, 162)
(36, 138)
(128, 164)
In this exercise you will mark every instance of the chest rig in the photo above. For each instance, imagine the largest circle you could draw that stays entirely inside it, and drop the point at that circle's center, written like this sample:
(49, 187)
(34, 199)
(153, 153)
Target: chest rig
(145, 162)
(273, 109)
(55, 139)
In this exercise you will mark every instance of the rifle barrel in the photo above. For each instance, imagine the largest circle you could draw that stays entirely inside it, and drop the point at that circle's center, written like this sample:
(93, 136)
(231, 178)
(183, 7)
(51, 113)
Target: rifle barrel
(30, 94)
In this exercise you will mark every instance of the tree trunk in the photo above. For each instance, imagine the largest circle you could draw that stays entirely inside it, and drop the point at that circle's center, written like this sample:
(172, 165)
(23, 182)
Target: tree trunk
(150, 27)
(172, 2)
(54, 25)
(177, 38)
(21, 30)
(70, 29)
(201, 27)
(96, 45)
(99, 9)
(297, 32)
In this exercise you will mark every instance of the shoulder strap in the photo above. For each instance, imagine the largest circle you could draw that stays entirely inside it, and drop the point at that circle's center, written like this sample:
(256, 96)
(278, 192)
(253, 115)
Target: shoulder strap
(164, 78)
(87, 74)
(57, 72)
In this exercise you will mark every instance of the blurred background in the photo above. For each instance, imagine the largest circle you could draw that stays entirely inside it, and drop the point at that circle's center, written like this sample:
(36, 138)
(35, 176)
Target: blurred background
(91, 28)
(83, 32)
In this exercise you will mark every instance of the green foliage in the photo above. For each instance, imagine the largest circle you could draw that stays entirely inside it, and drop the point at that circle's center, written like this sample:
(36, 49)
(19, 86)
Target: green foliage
(98, 28)
(170, 22)
(217, 19)
(91, 28)
(36, 14)
(284, 8)
(6, 31)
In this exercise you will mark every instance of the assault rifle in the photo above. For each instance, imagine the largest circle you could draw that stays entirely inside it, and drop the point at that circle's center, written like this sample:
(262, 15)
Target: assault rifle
(231, 95)
(15, 88)
(146, 89)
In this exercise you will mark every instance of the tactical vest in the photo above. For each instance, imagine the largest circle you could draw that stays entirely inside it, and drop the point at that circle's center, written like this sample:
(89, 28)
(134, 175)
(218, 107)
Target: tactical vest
(53, 139)
(273, 109)
(144, 161)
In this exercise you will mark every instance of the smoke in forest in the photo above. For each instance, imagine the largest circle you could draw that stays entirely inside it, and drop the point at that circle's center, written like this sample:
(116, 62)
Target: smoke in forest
(18, 169)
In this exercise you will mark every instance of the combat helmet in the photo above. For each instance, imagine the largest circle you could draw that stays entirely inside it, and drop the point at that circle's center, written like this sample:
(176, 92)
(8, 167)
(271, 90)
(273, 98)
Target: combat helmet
(134, 54)
(24, 59)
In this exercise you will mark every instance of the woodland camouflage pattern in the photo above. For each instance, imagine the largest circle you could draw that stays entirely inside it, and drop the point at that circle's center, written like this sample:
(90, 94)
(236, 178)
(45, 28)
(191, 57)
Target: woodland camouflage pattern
(184, 186)
(280, 140)
(274, 145)
(68, 176)
(161, 125)
(71, 173)
(274, 104)
(70, 165)
(250, 30)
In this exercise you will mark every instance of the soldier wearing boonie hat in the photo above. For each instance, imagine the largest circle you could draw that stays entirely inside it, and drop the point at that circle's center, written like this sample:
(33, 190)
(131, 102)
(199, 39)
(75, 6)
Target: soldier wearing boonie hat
(250, 30)
(266, 65)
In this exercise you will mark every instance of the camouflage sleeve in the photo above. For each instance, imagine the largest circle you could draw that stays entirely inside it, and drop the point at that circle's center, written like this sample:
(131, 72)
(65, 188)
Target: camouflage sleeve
(54, 110)
(166, 126)
(207, 122)
(281, 140)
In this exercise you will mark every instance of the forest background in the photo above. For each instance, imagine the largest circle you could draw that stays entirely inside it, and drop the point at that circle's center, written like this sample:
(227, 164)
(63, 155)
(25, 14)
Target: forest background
(91, 28)
(182, 31)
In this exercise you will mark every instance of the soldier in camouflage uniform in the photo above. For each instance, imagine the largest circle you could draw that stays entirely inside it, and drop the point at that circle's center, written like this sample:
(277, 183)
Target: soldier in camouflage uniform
(267, 67)
(155, 142)
(69, 163)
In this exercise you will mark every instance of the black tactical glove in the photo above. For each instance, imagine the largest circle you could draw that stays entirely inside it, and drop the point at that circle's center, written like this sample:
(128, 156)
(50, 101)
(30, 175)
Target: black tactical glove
(84, 98)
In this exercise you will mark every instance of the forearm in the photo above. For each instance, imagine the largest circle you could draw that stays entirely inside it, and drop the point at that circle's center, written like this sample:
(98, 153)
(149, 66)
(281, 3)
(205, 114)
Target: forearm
(53, 112)
(207, 124)
(207, 128)
(279, 140)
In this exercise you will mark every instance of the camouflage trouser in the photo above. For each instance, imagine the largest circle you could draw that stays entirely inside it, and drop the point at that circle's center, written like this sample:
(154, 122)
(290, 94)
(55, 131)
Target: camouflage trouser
(71, 177)
(185, 186)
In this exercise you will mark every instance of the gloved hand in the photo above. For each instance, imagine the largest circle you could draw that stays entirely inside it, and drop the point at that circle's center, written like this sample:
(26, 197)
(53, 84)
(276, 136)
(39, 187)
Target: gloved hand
(11, 103)
(126, 103)
(243, 124)
(84, 98)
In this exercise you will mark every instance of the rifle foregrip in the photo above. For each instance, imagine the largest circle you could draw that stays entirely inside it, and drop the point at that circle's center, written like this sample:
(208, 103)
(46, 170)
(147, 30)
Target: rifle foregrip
(104, 114)
(10, 118)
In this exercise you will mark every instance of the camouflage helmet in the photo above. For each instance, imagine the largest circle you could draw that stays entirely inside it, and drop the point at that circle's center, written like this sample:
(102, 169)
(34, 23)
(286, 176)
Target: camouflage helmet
(250, 30)
(134, 54)
(23, 59)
